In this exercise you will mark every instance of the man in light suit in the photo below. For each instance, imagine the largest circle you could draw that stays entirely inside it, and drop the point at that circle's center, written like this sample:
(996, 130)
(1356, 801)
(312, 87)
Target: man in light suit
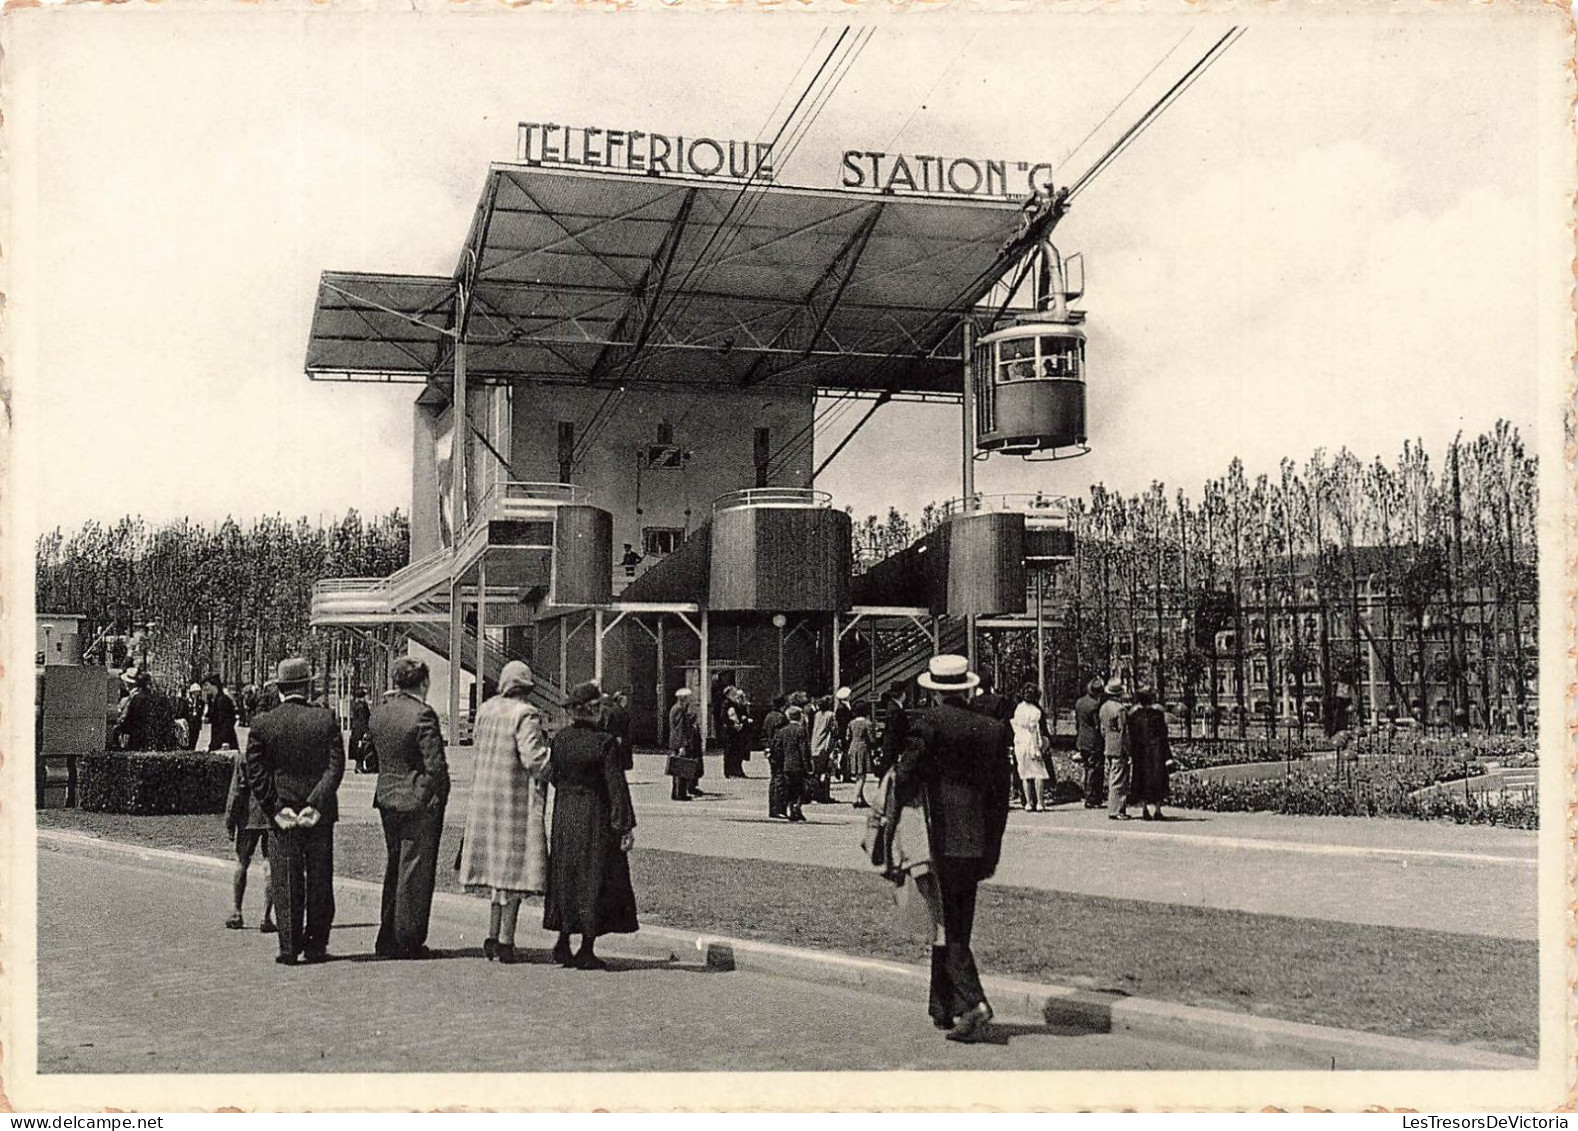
(294, 762)
(412, 790)
(953, 755)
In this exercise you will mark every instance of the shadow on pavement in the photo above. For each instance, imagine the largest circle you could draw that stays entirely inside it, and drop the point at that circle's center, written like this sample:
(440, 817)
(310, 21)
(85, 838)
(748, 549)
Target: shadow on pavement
(1000, 1033)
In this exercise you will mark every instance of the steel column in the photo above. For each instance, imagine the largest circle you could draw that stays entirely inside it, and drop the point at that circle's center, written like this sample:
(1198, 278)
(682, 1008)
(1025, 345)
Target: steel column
(838, 641)
(564, 654)
(482, 627)
(706, 682)
(968, 350)
(456, 627)
(597, 647)
(1041, 641)
(662, 689)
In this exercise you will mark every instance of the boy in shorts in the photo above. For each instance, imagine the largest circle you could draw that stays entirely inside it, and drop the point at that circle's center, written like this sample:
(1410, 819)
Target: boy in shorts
(247, 825)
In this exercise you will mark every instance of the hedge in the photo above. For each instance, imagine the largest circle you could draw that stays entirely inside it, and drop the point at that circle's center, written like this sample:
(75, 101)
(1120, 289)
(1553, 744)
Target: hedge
(146, 783)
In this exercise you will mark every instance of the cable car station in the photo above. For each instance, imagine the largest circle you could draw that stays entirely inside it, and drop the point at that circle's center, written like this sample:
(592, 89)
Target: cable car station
(612, 476)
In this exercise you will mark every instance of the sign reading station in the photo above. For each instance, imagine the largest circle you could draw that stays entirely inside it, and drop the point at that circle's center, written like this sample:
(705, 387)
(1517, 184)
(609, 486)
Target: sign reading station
(636, 151)
(955, 176)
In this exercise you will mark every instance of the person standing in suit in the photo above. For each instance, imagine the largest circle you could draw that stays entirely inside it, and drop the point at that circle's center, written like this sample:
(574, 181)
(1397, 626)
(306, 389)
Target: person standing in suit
(413, 788)
(361, 714)
(843, 714)
(194, 714)
(1001, 708)
(1087, 744)
(1111, 720)
(684, 741)
(895, 728)
(791, 750)
(295, 760)
(953, 757)
(616, 721)
(221, 714)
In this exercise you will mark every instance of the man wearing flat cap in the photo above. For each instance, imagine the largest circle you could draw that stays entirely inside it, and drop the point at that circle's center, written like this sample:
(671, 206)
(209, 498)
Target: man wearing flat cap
(413, 788)
(953, 756)
(295, 760)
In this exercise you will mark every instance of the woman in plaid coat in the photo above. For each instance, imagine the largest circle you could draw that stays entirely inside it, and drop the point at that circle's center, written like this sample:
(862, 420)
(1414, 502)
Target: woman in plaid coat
(505, 853)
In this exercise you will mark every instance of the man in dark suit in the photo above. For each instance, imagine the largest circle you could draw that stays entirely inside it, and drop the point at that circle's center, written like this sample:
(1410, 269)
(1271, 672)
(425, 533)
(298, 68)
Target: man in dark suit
(1087, 744)
(954, 756)
(1001, 708)
(895, 728)
(413, 787)
(616, 721)
(361, 714)
(295, 760)
(221, 714)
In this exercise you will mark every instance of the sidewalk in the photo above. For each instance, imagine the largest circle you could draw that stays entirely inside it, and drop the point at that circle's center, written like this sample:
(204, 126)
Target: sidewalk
(136, 974)
(1380, 872)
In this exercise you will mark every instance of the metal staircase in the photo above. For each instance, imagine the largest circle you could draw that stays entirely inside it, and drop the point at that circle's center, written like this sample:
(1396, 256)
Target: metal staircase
(905, 650)
(547, 694)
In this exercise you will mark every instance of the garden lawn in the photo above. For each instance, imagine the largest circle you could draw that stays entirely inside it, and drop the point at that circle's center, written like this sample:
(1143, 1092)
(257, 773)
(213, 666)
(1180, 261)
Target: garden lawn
(1427, 985)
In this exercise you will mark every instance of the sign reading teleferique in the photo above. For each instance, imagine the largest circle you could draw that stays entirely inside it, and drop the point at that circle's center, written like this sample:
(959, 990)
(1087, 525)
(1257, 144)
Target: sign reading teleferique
(637, 151)
(658, 154)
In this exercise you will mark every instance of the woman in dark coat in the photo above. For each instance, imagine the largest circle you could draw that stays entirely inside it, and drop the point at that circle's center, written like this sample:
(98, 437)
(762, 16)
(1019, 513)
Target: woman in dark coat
(589, 892)
(1146, 747)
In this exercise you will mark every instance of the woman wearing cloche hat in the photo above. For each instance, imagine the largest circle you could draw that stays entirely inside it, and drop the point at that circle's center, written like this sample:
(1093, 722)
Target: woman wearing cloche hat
(589, 892)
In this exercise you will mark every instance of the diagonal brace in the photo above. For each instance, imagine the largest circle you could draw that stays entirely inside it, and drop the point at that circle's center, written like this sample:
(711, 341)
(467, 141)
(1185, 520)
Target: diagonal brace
(804, 330)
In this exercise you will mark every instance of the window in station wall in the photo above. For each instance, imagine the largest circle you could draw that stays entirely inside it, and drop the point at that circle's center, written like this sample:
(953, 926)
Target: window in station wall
(660, 541)
(566, 449)
(762, 454)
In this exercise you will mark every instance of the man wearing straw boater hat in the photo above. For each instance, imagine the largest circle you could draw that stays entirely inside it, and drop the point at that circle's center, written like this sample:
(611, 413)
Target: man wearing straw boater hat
(295, 760)
(954, 757)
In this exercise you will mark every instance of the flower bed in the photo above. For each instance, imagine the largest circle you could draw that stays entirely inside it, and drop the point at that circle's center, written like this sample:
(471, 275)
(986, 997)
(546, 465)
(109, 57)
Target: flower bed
(1363, 790)
(1201, 753)
(153, 782)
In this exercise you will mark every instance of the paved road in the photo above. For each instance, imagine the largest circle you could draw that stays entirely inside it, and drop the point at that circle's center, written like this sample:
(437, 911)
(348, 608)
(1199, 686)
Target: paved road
(1464, 879)
(136, 975)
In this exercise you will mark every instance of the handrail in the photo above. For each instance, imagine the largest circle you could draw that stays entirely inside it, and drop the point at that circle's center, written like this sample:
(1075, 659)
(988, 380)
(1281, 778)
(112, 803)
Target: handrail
(1056, 508)
(774, 497)
(546, 494)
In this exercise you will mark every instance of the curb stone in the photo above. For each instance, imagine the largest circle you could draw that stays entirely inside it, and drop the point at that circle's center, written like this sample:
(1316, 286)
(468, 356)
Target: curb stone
(1059, 1006)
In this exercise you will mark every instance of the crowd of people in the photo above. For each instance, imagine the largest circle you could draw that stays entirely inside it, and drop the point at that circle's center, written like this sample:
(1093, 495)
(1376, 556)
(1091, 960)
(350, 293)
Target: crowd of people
(284, 800)
(942, 778)
(136, 726)
(814, 742)
(1124, 750)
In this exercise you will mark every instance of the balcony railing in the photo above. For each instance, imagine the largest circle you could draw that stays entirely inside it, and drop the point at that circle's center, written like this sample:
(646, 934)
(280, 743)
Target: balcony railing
(792, 497)
(514, 500)
(503, 501)
(366, 594)
(1054, 509)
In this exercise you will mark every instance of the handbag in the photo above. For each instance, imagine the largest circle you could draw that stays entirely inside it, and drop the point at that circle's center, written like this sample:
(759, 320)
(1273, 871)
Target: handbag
(679, 766)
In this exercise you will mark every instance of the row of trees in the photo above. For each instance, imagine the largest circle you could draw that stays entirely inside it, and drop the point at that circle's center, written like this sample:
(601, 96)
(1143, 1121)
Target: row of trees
(195, 598)
(1332, 590)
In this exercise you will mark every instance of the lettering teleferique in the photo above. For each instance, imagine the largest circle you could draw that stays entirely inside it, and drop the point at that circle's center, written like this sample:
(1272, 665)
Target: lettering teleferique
(636, 151)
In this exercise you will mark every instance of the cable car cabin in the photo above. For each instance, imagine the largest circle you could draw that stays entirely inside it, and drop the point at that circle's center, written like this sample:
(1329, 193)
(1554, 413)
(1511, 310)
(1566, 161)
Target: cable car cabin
(1030, 389)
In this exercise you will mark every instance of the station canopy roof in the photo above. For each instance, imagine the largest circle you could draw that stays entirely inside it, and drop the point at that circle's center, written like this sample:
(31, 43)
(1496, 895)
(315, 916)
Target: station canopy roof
(608, 279)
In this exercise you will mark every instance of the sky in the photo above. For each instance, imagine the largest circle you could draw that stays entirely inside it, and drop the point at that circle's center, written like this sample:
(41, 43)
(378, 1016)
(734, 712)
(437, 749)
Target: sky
(1343, 235)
